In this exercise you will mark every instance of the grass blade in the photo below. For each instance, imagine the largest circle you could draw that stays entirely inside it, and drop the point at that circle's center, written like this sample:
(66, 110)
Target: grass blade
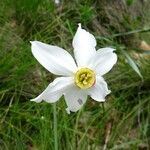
(132, 64)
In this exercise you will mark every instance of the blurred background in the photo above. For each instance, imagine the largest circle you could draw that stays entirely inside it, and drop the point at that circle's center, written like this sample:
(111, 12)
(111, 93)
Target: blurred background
(122, 122)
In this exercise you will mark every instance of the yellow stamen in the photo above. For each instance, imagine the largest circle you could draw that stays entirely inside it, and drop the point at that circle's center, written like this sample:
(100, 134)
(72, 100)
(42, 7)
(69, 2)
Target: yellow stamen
(85, 78)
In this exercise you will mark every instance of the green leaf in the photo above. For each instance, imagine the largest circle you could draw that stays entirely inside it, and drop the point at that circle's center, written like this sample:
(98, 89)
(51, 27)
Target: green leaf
(132, 64)
(129, 2)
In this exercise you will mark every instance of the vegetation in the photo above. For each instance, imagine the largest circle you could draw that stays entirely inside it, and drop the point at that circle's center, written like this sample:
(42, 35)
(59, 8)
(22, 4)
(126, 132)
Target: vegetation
(122, 122)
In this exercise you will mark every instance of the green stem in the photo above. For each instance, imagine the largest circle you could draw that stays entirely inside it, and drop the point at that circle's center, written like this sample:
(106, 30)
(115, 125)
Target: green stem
(103, 107)
(55, 127)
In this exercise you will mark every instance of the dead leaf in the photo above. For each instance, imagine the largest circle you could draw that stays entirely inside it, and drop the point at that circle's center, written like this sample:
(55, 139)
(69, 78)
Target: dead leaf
(144, 45)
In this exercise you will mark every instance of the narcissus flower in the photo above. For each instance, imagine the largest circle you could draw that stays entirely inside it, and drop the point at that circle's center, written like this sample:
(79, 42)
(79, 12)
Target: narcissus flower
(79, 78)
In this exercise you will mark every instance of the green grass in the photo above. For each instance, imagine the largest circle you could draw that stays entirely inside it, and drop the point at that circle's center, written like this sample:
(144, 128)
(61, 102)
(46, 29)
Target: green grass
(122, 122)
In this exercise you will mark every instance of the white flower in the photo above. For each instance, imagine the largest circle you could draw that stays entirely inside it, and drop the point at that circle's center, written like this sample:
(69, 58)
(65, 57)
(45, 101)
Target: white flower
(79, 79)
(57, 2)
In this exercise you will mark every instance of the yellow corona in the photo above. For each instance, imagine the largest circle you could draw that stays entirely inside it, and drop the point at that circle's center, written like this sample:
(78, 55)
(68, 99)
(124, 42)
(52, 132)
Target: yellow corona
(85, 78)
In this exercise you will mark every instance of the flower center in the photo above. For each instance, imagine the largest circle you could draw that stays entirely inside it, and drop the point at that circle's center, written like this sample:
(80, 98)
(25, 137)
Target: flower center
(85, 78)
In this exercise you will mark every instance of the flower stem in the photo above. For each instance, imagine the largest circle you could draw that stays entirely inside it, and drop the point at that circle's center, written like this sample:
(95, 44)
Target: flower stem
(55, 127)
(103, 107)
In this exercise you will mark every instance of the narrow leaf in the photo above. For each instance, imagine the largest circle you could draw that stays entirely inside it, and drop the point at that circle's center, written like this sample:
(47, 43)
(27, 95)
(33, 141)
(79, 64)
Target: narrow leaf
(132, 64)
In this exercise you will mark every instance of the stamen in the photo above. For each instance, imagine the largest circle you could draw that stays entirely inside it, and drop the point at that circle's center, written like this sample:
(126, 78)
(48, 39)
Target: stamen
(85, 82)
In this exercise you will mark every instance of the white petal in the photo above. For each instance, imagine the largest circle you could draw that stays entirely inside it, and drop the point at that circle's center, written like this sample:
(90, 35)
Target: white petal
(103, 61)
(75, 98)
(84, 46)
(55, 90)
(100, 90)
(53, 58)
